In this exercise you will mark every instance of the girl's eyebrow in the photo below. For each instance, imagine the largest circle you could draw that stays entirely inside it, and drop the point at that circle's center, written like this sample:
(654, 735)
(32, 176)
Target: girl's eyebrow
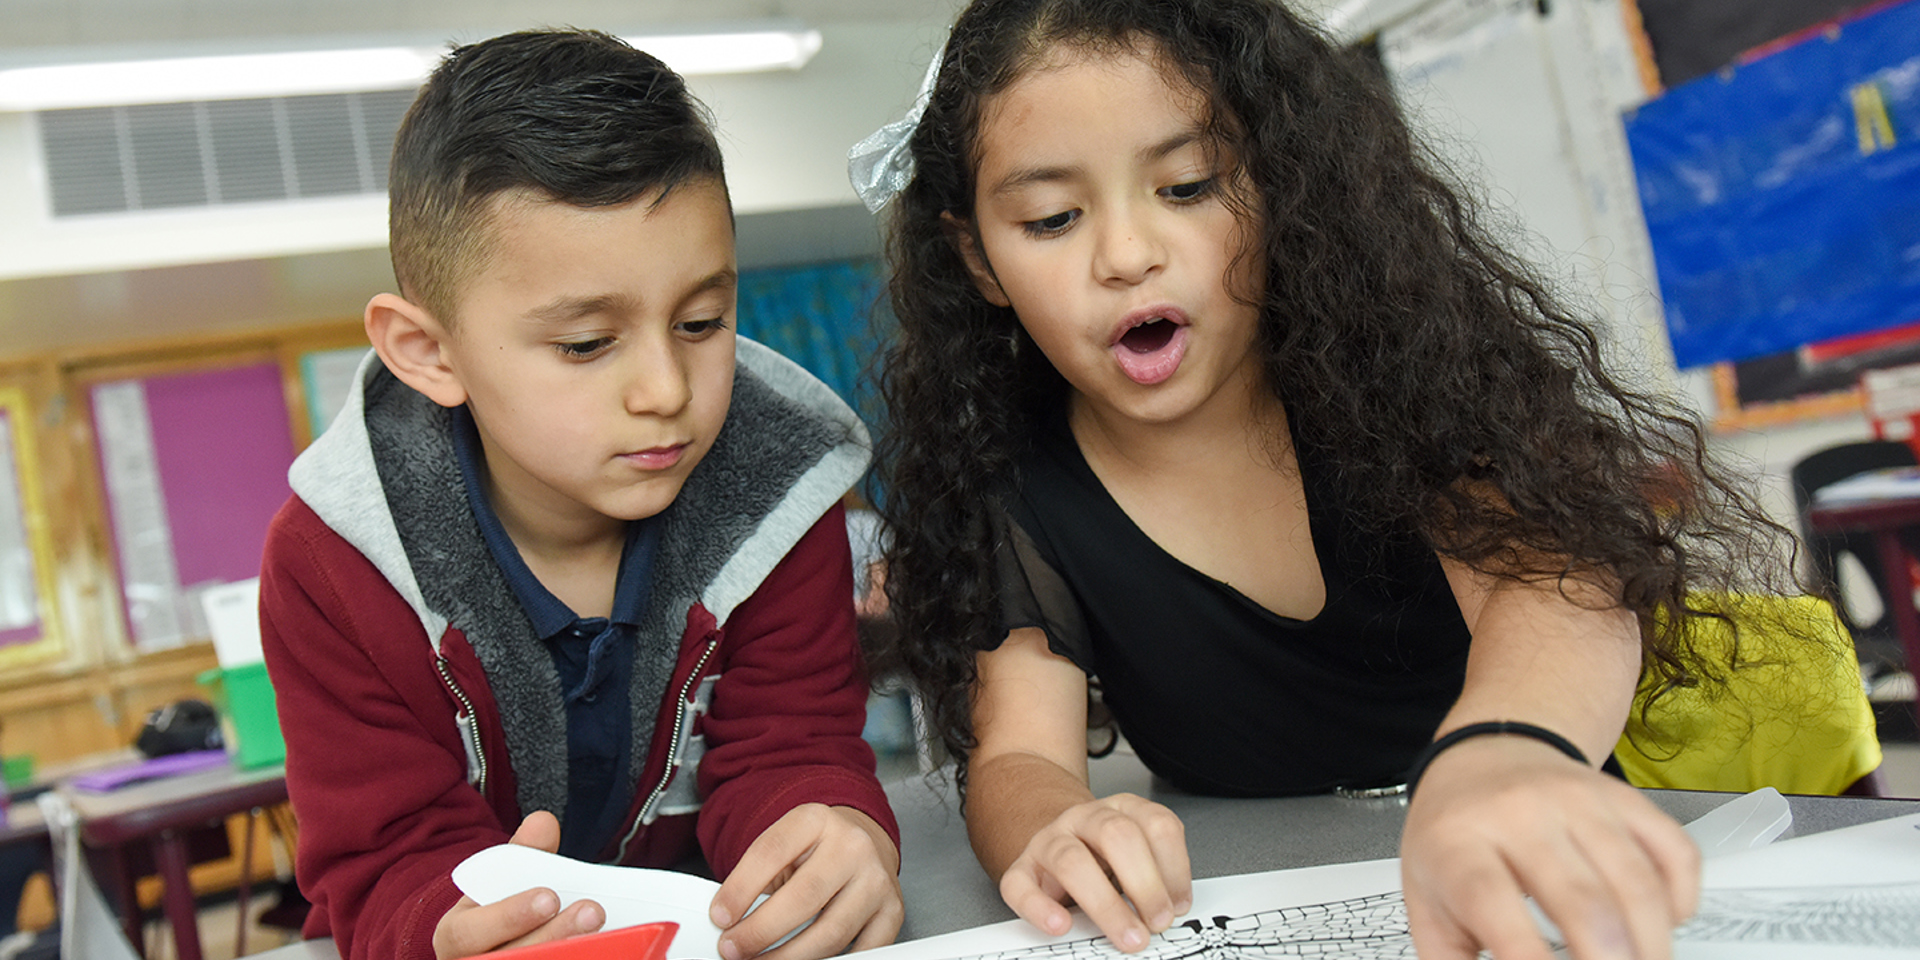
(1151, 153)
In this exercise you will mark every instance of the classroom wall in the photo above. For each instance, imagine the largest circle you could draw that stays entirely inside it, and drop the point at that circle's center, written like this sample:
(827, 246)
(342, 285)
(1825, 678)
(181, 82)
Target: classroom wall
(1528, 107)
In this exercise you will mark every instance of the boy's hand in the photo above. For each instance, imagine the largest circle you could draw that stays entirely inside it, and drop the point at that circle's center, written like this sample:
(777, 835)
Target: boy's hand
(1499, 818)
(831, 865)
(526, 917)
(1122, 859)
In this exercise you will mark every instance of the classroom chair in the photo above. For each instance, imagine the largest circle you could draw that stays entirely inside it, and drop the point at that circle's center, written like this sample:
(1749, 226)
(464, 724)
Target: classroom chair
(1792, 714)
(88, 926)
(1877, 642)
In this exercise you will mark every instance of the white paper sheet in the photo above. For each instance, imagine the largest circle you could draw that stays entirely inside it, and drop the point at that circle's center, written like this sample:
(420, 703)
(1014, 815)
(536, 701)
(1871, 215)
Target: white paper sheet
(1852, 893)
(233, 618)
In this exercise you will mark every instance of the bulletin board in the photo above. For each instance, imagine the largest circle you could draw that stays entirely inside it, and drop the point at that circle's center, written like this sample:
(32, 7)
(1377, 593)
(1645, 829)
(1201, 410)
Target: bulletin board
(192, 467)
(1783, 200)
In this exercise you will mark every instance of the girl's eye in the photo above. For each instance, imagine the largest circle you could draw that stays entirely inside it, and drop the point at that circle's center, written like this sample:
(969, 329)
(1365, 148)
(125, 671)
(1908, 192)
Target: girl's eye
(584, 349)
(1189, 192)
(701, 328)
(1051, 226)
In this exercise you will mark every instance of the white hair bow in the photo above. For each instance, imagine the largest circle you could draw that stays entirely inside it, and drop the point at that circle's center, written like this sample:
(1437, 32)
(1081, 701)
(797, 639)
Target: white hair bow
(880, 166)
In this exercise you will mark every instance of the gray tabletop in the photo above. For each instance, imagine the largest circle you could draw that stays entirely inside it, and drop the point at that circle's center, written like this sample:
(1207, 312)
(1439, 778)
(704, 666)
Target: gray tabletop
(946, 890)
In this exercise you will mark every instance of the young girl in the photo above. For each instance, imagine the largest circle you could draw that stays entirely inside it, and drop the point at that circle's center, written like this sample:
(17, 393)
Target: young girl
(1209, 396)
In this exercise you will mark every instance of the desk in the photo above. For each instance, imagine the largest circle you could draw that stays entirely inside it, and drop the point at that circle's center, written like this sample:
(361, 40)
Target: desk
(946, 890)
(161, 814)
(1895, 526)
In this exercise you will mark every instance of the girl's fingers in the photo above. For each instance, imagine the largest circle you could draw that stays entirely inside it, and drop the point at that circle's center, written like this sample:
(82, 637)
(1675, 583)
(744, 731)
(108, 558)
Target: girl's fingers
(1028, 894)
(1487, 912)
(1640, 905)
(1574, 892)
(1167, 838)
(1085, 881)
(1677, 858)
(1435, 936)
(1122, 860)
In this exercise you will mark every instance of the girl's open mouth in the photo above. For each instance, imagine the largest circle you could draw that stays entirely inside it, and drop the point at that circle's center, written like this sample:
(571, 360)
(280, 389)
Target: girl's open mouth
(1150, 349)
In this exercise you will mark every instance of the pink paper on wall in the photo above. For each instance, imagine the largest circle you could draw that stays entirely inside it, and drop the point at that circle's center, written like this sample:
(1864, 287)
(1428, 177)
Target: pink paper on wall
(223, 445)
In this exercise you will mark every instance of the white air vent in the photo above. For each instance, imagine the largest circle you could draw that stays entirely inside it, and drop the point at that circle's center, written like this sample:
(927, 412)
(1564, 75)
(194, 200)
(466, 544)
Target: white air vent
(207, 153)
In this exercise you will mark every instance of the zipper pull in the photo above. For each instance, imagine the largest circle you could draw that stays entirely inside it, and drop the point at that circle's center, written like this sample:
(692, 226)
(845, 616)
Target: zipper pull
(468, 737)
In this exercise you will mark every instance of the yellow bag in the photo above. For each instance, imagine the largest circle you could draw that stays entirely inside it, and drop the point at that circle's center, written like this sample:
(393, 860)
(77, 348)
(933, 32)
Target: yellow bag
(1792, 715)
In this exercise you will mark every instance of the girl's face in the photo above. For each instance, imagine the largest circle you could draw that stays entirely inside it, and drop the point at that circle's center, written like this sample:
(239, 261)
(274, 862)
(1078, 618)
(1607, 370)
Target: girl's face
(1103, 223)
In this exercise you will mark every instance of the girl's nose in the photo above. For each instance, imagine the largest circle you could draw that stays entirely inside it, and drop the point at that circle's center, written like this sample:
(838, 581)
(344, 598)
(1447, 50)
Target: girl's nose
(1127, 251)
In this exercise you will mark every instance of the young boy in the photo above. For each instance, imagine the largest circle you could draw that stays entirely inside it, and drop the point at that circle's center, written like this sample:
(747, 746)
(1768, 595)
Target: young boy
(563, 569)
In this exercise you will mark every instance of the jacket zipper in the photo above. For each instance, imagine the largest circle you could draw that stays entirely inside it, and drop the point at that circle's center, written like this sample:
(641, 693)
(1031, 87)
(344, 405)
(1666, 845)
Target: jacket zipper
(472, 726)
(673, 747)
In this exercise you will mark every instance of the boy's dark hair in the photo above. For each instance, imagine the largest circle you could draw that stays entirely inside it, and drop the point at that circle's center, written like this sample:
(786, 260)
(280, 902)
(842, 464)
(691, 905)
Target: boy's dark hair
(576, 116)
(1460, 403)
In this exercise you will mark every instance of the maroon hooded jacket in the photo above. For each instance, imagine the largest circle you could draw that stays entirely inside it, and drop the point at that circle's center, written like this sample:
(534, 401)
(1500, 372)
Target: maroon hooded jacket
(423, 718)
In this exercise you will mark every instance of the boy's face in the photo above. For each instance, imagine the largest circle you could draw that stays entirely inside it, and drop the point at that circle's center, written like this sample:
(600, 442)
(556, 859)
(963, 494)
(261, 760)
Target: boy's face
(595, 349)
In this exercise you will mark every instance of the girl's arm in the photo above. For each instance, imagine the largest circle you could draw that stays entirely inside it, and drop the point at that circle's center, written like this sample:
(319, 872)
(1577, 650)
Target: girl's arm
(1036, 826)
(1501, 816)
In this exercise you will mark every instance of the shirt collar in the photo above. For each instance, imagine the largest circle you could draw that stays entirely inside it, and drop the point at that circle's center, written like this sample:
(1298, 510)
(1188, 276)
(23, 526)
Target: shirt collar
(549, 614)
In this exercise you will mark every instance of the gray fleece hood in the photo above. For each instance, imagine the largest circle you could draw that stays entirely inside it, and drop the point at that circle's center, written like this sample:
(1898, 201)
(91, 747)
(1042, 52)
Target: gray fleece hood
(338, 476)
(384, 477)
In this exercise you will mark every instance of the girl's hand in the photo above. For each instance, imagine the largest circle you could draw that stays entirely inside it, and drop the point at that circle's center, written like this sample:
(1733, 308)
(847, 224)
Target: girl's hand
(830, 865)
(1123, 859)
(1497, 819)
(531, 916)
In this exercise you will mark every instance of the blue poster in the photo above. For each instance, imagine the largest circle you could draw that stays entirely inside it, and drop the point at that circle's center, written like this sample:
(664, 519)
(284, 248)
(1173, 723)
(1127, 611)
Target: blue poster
(1783, 198)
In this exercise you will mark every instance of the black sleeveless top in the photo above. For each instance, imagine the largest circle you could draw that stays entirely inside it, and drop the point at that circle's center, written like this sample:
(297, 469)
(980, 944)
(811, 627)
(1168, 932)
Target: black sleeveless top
(1214, 692)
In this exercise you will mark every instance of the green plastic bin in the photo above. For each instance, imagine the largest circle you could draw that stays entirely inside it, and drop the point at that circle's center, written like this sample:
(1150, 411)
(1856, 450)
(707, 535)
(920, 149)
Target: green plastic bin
(248, 718)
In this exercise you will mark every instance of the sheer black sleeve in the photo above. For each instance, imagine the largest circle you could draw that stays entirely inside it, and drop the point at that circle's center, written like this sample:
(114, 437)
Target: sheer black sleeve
(1034, 594)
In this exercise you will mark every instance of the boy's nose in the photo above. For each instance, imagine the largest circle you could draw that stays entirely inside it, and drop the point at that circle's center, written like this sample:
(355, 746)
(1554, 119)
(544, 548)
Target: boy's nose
(657, 383)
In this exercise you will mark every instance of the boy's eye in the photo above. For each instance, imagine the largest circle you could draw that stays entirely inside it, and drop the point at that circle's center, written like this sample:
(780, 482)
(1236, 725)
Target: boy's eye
(583, 349)
(1051, 226)
(1189, 192)
(701, 328)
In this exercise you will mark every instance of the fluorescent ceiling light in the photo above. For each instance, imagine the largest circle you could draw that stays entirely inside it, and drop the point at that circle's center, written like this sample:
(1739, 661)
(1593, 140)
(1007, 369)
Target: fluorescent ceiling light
(746, 52)
(294, 73)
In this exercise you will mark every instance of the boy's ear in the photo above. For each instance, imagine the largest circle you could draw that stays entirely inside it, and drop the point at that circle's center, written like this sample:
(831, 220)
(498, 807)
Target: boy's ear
(960, 234)
(410, 342)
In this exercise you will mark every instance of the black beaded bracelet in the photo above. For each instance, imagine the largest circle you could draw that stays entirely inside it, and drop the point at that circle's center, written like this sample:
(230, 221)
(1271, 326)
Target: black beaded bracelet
(1486, 729)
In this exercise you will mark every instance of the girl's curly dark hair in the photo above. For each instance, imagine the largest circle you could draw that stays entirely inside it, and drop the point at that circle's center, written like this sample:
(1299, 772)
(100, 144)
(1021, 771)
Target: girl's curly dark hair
(1455, 399)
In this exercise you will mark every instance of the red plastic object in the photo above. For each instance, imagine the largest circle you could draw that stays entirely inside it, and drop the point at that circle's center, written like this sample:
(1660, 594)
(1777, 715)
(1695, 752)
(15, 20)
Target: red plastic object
(647, 941)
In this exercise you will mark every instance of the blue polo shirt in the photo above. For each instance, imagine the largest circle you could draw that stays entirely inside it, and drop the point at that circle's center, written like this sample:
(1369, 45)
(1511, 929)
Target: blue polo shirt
(594, 657)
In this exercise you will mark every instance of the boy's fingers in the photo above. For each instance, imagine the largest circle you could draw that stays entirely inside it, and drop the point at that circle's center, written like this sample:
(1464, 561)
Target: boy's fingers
(759, 871)
(581, 918)
(774, 918)
(471, 930)
(866, 913)
(540, 830)
(883, 929)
